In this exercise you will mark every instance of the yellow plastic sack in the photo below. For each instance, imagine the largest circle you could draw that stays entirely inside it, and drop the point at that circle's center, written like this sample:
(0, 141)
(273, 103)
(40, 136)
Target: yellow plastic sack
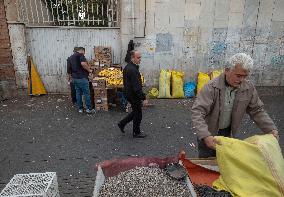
(250, 168)
(165, 84)
(202, 79)
(215, 73)
(177, 84)
(153, 93)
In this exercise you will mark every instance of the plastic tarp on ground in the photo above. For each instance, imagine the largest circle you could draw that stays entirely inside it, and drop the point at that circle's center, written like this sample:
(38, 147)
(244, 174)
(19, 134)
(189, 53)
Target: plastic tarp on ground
(250, 168)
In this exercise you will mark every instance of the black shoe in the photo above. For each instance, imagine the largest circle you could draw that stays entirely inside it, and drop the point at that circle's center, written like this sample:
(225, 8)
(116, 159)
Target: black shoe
(121, 127)
(139, 135)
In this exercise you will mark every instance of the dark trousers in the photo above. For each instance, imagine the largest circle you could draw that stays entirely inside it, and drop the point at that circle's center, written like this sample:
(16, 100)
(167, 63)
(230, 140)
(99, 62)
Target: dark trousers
(135, 116)
(204, 151)
(73, 93)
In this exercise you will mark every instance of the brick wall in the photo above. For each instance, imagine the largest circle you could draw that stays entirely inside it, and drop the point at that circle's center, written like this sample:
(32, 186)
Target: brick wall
(7, 73)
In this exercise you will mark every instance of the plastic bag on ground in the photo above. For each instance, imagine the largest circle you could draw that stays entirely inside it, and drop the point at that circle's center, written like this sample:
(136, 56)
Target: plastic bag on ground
(215, 73)
(189, 88)
(153, 93)
(203, 79)
(250, 168)
(177, 84)
(165, 84)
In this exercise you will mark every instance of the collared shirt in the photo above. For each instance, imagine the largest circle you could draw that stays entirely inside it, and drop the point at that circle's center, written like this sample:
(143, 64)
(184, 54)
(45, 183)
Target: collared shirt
(226, 113)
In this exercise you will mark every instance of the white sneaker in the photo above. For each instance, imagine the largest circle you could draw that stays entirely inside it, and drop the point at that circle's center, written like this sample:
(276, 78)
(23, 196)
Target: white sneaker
(90, 111)
(80, 111)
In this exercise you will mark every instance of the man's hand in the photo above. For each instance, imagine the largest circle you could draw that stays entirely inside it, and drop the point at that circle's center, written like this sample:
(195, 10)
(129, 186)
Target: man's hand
(275, 134)
(211, 142)
(145, 102)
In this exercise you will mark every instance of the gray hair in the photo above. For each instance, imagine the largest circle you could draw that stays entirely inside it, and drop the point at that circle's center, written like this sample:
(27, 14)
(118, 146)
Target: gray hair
(132, 53)
(242, 59)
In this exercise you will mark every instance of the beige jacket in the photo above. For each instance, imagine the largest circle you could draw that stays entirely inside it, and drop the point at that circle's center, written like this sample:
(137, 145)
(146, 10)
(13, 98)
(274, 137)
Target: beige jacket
(209, 103)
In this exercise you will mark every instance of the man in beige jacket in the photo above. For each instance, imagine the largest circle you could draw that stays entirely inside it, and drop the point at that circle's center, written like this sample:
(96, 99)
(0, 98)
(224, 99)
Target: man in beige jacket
(221, 105)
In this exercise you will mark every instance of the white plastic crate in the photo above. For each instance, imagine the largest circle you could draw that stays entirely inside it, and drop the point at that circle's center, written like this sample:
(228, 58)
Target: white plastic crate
(32, 185)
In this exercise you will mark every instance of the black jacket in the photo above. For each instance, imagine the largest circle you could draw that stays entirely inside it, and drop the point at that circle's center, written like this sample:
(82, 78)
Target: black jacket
(132, 83)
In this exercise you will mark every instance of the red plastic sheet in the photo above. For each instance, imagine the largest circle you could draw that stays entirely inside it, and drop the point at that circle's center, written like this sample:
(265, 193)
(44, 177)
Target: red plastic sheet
(198, 174)
(115, 166)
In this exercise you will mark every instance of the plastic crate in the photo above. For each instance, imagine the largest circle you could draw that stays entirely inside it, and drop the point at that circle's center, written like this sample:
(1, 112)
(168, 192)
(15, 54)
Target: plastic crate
(31, 185)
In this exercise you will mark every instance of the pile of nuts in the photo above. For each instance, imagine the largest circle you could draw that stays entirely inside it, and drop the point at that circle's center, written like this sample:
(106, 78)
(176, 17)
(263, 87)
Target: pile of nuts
(142, 182)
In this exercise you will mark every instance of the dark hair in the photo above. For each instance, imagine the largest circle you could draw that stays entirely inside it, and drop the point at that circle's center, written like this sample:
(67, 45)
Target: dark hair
(80, 48)
(130, 48)
(75, 49)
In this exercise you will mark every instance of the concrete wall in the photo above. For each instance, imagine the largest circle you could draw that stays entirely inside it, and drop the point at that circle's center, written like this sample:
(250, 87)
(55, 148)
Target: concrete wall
(199, 35)
(7, 73)
(188, 35)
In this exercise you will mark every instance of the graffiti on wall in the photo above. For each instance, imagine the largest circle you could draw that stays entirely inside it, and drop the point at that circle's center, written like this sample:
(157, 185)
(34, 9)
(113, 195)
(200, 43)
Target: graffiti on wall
(219, 47)
(277, 61)
(164, 42)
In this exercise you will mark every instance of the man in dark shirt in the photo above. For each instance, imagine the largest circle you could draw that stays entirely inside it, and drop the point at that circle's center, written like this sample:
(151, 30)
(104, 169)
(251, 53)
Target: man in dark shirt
(134, 94)
(80, 72)
(70, 81)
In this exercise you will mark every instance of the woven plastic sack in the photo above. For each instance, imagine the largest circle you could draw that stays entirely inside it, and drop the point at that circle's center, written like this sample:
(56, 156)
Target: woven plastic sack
(215, 73)
(203, 79)
(250, 168)
(165, 84)
(153, 93)
(189, 88)
(177, 84)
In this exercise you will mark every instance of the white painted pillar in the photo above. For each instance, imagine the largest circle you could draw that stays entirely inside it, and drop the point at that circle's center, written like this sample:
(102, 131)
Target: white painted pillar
(126, 25)
(19, 53)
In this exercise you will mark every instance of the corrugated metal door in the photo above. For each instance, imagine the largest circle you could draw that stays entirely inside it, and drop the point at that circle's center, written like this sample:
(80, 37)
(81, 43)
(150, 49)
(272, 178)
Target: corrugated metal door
(50, 47)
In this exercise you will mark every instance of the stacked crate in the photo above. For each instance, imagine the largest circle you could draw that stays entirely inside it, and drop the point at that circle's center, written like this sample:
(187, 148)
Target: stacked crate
(103, 56)
(100, 94)
(33, 184)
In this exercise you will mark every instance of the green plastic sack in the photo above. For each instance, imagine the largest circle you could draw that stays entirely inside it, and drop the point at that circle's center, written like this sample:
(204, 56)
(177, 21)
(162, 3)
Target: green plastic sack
(165, 84)
(250, 168)
(153, 93)
(177, 84)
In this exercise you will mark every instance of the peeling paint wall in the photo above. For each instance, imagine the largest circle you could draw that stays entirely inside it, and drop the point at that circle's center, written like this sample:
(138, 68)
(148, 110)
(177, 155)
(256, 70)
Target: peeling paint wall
(199, 35)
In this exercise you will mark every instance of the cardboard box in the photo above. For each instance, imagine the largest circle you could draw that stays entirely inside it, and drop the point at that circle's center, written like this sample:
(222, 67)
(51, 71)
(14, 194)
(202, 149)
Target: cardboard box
(100, 92)
(103, 55)
(98, 82)
(100, 100)
(102, 107)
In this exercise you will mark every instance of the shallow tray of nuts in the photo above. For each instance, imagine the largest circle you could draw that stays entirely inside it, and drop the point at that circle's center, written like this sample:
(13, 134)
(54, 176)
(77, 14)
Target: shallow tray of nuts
(142, 182)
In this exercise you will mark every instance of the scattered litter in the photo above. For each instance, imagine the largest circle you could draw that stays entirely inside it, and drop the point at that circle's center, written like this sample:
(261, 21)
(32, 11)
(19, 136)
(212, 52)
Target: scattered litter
(60, 100)
(67, 118)
(168, 127)
(181, 137)
(57, 107)
(4, 105)
(192, 145)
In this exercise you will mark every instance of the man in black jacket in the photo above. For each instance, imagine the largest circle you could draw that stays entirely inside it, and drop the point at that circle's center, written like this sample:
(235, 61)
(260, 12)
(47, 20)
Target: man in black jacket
(134, 94)
(70, 81)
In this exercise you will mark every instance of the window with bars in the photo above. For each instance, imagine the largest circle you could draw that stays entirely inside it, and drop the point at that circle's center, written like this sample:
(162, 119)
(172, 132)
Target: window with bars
(81, 13)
